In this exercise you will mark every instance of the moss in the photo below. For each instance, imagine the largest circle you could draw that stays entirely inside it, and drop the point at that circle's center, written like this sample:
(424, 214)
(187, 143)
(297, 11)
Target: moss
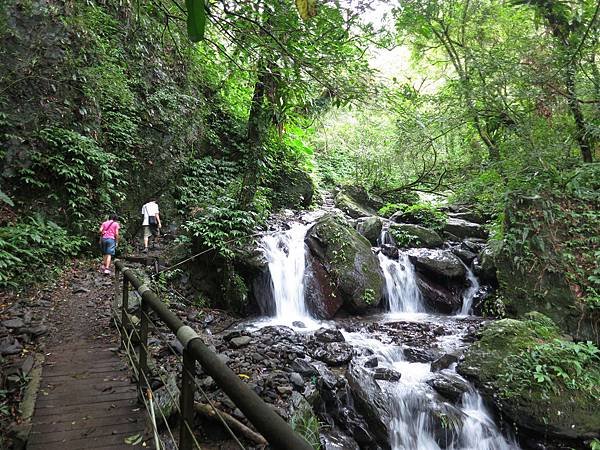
(532, 374)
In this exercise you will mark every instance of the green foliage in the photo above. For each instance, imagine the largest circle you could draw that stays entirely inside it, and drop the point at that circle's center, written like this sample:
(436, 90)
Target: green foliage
(404, 239)
(306, 424)
(423, 214)
(595, 444)
(369, 296)
(390, 208)
(222, 226)
(31, 244)
(556, 365)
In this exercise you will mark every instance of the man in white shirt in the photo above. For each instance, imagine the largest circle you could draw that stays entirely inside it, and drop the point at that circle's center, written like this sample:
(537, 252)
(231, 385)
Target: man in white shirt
(151, 222)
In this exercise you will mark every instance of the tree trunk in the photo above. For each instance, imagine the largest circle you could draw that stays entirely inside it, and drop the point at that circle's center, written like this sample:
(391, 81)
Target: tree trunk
(581, 135)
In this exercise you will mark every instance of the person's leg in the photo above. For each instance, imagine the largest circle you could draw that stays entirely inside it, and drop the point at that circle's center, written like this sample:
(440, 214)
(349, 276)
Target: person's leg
(146, 231)
(107, 264)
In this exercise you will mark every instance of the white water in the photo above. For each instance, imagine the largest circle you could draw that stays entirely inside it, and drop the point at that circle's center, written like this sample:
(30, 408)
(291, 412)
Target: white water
(410, 404)
(469, 294)
(285, 254)
(401, 290)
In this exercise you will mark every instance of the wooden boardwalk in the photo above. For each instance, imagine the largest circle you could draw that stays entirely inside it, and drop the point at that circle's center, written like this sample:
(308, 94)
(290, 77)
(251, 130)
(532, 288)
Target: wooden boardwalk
(86, 400)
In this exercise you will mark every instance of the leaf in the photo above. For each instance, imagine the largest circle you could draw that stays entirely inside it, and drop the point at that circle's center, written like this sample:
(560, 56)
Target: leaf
(306, 8)
(6, 199)
(134, 439)
(196, 19)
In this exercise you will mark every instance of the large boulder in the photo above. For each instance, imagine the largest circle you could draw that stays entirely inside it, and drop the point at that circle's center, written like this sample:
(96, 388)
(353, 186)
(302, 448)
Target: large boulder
(352, 207)
(320, 290)
(440, 297)
(535, 378)
(370, 227)
(364, 197)
(348, 260)
(441, 263)
(410, 235)
(464, 229)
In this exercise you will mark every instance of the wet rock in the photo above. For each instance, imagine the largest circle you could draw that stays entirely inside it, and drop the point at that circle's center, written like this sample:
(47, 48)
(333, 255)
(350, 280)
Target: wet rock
(297, 380)
(466, 255)
(285, 390)
(385, 374)
(303, 367)
(437, 262)
(13, 323)
(487, 266)
(442, 298)
(36, 331)
(470, 216)
(444, 361)
(349, 262)
(336, 440)
(329, 335)
(420, 355)
(370, 228)
(333, 353)
(410, 235)
(371, 362)
(464, 229)
(449, 384)
(166, 400)
(390, 251)
(320, 290)
(298, 324)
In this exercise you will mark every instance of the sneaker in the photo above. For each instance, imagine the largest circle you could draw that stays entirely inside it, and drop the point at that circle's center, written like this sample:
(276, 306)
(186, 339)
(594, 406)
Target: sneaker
(106, 271)
(102, 268)
(145, 250)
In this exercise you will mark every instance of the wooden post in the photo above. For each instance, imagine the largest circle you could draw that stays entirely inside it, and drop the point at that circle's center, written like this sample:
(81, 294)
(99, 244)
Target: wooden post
(143, 359)
(186, 401)
(125, 303)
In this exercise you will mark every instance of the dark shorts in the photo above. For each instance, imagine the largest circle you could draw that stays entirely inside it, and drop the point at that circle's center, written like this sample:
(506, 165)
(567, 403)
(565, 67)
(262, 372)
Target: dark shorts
(108, 246)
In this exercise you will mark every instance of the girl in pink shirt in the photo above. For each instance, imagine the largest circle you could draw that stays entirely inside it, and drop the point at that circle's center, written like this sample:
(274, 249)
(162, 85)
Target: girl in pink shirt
(109, 237)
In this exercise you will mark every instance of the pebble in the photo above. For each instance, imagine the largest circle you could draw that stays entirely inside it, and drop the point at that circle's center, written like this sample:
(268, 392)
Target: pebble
(13, 323)
(241, 341)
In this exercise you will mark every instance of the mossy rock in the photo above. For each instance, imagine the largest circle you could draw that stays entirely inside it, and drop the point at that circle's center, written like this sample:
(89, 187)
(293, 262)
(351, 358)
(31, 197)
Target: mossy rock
(352, 207)
(348, 260)
(294, 190)
(410, 235)
(495, 363)
(370, 228)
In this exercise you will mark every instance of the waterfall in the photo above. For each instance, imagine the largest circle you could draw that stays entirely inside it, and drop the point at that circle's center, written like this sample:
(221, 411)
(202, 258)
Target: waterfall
(285, 255)
(469, 294)
(415, 411)
(401, 290)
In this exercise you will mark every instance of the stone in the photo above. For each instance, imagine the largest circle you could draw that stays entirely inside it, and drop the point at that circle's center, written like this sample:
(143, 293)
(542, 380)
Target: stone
(348, 261)
(464, 229)
(333, 353)
(336, 440)
(370, 228)
(285, 390)
(10, 346)
(415, 235)
(35, 331)
(444, 361)
(13, 323)
(297, 380)
(444, 298)
(420, 355)
(329, 335)
(390, 251)
(371, 362)
(320, 291)
(241, 341)
(487, 271)
(465, 255)
(470, 216)
(295, 189)
(352, 207)
(298, 324)
(437, 262)
(449, 384)
(385, 374)
(303, 367)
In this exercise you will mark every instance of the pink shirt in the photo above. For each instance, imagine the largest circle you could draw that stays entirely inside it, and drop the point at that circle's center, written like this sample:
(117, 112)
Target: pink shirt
(109, 229)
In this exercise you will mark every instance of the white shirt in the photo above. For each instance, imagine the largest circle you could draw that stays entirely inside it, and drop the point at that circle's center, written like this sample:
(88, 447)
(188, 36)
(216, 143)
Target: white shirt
(149, 209)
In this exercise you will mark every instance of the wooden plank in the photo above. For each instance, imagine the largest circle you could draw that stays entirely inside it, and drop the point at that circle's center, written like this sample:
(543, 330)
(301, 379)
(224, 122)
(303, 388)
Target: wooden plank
(93, 430)
(106, 407)
(78, 420)
(114, 441)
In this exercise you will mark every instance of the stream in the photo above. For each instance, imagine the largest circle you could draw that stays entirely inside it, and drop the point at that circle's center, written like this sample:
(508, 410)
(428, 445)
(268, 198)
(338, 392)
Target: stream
(390, 371)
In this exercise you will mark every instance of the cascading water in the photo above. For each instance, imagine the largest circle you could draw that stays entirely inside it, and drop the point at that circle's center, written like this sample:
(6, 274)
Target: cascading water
(469, 294)
(401, 290)
(285, 254)
(414, 409)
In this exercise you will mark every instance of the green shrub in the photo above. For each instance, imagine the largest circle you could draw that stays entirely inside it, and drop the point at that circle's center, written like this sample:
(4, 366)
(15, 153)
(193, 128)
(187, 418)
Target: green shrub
(391, 208)
(30, 247)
